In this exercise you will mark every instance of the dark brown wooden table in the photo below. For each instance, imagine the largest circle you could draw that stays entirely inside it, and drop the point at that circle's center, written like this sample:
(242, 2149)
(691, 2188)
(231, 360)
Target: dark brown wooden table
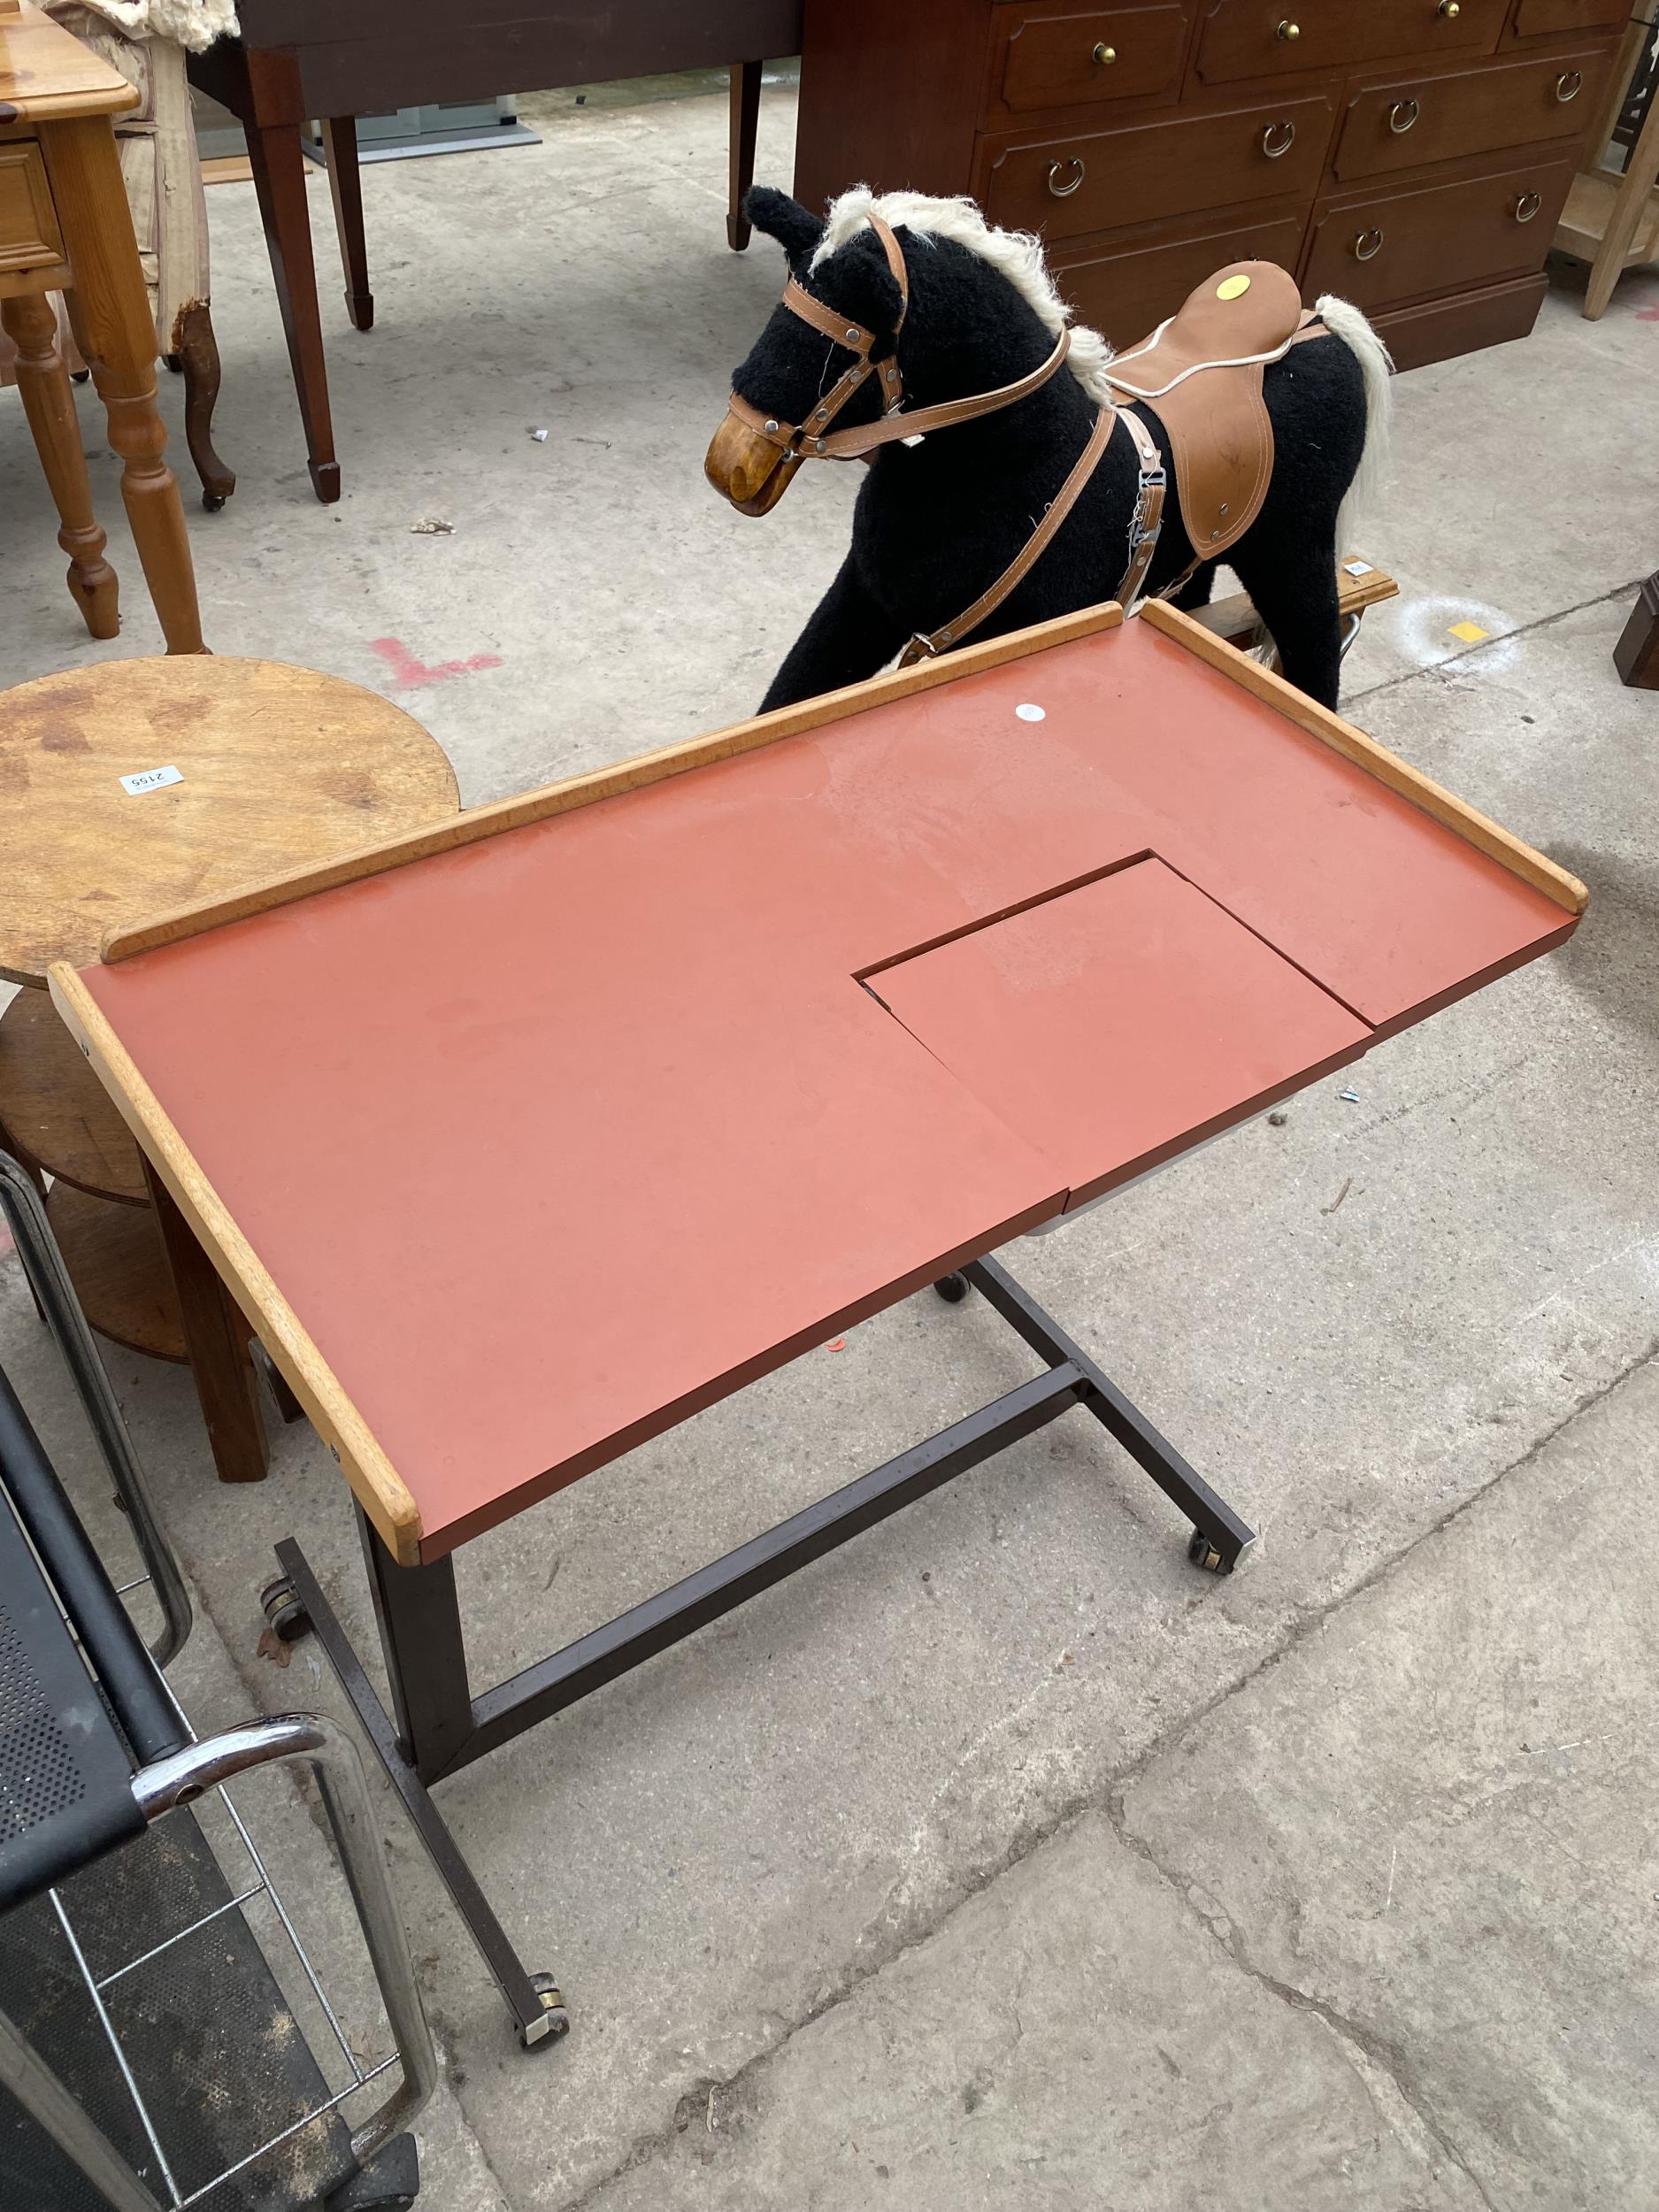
(298, 59)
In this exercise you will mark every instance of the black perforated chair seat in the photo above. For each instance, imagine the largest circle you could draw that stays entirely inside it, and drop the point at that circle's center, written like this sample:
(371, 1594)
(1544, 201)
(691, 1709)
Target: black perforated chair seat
(67, 1759)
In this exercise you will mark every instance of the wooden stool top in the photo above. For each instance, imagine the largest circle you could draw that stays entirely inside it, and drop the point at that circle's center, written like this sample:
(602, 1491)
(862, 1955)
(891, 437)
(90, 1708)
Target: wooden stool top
(276, 767)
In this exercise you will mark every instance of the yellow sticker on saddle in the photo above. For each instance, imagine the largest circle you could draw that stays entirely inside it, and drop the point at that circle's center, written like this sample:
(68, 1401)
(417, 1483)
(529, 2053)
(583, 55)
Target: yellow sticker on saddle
(1232, 287)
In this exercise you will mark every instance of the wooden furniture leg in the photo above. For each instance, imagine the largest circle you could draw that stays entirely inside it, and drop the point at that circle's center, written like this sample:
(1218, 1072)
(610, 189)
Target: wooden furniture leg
(345, 185)
(1640, 173)
(114, 330)
(745, 126)
(1636, 655)
(279, 177)
(49, 405)
(216, 1339)
(199, 357)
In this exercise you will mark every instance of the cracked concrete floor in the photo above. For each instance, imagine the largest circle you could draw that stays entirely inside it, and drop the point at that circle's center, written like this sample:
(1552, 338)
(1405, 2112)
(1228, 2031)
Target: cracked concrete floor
(1002, 1860)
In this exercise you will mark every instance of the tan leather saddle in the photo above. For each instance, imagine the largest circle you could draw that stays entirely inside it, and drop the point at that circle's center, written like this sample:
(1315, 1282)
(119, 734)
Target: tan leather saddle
(1200, 374)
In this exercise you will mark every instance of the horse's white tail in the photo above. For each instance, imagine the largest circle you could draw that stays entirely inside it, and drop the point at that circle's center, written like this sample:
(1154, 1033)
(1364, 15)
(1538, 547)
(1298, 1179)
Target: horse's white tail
(1345, 322)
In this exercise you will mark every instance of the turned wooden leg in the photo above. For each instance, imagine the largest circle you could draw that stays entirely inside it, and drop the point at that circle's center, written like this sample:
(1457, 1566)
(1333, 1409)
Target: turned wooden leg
(279, 177)
(114, 329)
(744, 128)
(199, 357)
(49, 405)
(216, 1342)
(345, 185)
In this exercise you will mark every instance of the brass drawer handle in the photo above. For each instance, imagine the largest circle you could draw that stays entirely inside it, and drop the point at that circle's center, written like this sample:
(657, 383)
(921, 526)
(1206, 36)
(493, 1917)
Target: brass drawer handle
(1569, 84)
(1105, 55)
(1450, 9)
(1368, 245)
(1064, 191)
(1527, 206)
(1277, 139)
(1401, 115)
(1287, 30)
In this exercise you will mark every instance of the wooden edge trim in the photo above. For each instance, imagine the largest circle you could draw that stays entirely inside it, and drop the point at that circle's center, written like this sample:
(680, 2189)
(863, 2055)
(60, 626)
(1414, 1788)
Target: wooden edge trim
(125, 942)
(1388, 768)
(383, 1495)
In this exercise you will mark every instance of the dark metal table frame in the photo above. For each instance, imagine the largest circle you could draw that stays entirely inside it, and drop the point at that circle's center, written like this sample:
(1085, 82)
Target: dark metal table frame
(437, 1726)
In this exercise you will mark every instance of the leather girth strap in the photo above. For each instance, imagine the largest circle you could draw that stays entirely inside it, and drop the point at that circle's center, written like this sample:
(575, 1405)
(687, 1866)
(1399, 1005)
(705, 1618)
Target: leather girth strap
(1201, 374)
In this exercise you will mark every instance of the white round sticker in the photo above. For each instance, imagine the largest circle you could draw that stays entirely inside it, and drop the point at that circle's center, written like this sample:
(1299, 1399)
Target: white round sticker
(1028, 713)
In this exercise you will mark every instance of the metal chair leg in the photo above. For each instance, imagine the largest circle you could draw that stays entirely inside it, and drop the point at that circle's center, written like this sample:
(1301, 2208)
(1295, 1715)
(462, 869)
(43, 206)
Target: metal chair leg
(335, 1758)
(43, 2097)
(55, 1294)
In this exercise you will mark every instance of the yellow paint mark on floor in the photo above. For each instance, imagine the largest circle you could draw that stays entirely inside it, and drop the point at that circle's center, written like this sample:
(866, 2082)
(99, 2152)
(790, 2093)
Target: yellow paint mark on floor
(1470, 633)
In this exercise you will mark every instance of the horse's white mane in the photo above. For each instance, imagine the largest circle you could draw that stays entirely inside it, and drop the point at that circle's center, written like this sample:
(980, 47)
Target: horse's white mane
(1015, 254)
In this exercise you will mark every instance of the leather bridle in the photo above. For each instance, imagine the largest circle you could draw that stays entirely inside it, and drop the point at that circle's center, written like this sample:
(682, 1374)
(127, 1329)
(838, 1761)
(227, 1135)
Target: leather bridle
(814, 439)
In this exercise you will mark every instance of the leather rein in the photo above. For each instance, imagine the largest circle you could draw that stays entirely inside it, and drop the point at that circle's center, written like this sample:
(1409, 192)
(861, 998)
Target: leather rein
(814, 439)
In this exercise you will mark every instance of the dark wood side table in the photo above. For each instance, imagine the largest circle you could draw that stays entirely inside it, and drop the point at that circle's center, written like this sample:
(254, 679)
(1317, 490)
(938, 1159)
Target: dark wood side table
(267, 767)
(298, 58)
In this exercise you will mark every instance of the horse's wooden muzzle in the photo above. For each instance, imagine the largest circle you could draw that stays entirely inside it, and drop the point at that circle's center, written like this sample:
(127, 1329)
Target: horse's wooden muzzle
(748, 469)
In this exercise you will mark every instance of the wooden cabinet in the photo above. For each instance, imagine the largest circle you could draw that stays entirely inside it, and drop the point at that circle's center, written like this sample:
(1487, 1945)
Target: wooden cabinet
(1412, 155)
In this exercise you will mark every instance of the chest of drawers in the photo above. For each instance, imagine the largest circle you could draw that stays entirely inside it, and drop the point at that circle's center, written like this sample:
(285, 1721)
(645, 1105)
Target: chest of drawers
(1412, 155)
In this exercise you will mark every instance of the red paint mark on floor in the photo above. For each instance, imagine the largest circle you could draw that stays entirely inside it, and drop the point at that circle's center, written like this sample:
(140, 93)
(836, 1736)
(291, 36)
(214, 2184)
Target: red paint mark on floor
(409, 674)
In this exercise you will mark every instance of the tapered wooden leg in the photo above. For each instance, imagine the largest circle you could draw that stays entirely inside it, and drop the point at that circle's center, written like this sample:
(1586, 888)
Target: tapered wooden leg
(49, 405)
(114, 329)
(1630, 203)
(745, 128)
(199, 357)
(216, 1341)
(1636, 655)
(279, 177)
(345, 186)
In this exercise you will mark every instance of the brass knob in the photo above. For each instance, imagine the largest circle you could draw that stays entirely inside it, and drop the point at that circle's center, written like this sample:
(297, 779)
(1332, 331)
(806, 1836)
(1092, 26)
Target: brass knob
(1277, 139)
(1287, 30)
(1450, 9)
(1057, 168)
(1527, 206)
(1401, 115)
(1368, 245)
(1569, 84)
(1105, 55)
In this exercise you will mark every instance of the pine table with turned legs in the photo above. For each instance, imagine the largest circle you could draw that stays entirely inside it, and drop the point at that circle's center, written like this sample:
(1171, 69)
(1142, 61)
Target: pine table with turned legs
(66, 225)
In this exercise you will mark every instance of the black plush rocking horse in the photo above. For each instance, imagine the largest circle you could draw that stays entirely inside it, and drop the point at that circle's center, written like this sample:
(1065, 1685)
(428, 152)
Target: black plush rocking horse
(914, 335)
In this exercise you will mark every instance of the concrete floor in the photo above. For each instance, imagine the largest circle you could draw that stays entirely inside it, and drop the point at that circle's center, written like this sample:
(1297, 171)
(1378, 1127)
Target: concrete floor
(1004, 1862)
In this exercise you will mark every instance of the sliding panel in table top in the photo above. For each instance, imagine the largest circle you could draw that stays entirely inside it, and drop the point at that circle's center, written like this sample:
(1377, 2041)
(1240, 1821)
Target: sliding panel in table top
(1101, 1023)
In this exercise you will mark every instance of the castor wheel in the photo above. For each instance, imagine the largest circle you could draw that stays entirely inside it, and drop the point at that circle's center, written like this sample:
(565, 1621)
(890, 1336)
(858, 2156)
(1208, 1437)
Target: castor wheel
(287, 1616)
(212, 501)
(952, 1288)
(555, 2020)
(175, 362)
(1203, 1554)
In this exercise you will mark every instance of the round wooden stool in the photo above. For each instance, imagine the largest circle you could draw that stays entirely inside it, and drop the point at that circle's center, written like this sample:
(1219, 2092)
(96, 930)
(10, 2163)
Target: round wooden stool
(126, 791)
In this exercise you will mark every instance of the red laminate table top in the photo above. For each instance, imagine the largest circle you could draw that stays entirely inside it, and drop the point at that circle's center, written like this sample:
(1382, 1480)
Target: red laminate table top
(552, 1138)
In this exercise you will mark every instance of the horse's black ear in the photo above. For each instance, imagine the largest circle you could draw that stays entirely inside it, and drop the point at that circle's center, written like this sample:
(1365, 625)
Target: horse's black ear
(863, 286)
(797, 228)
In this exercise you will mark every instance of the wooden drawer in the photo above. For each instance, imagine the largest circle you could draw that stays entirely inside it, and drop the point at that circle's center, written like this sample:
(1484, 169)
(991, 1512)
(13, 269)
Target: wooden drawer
(1437, 238)
(1557, 18)
(1261, 38)
(1126, 291)
(29, 235)
(1060, 56)
(1472, 111)
(1107, 180)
